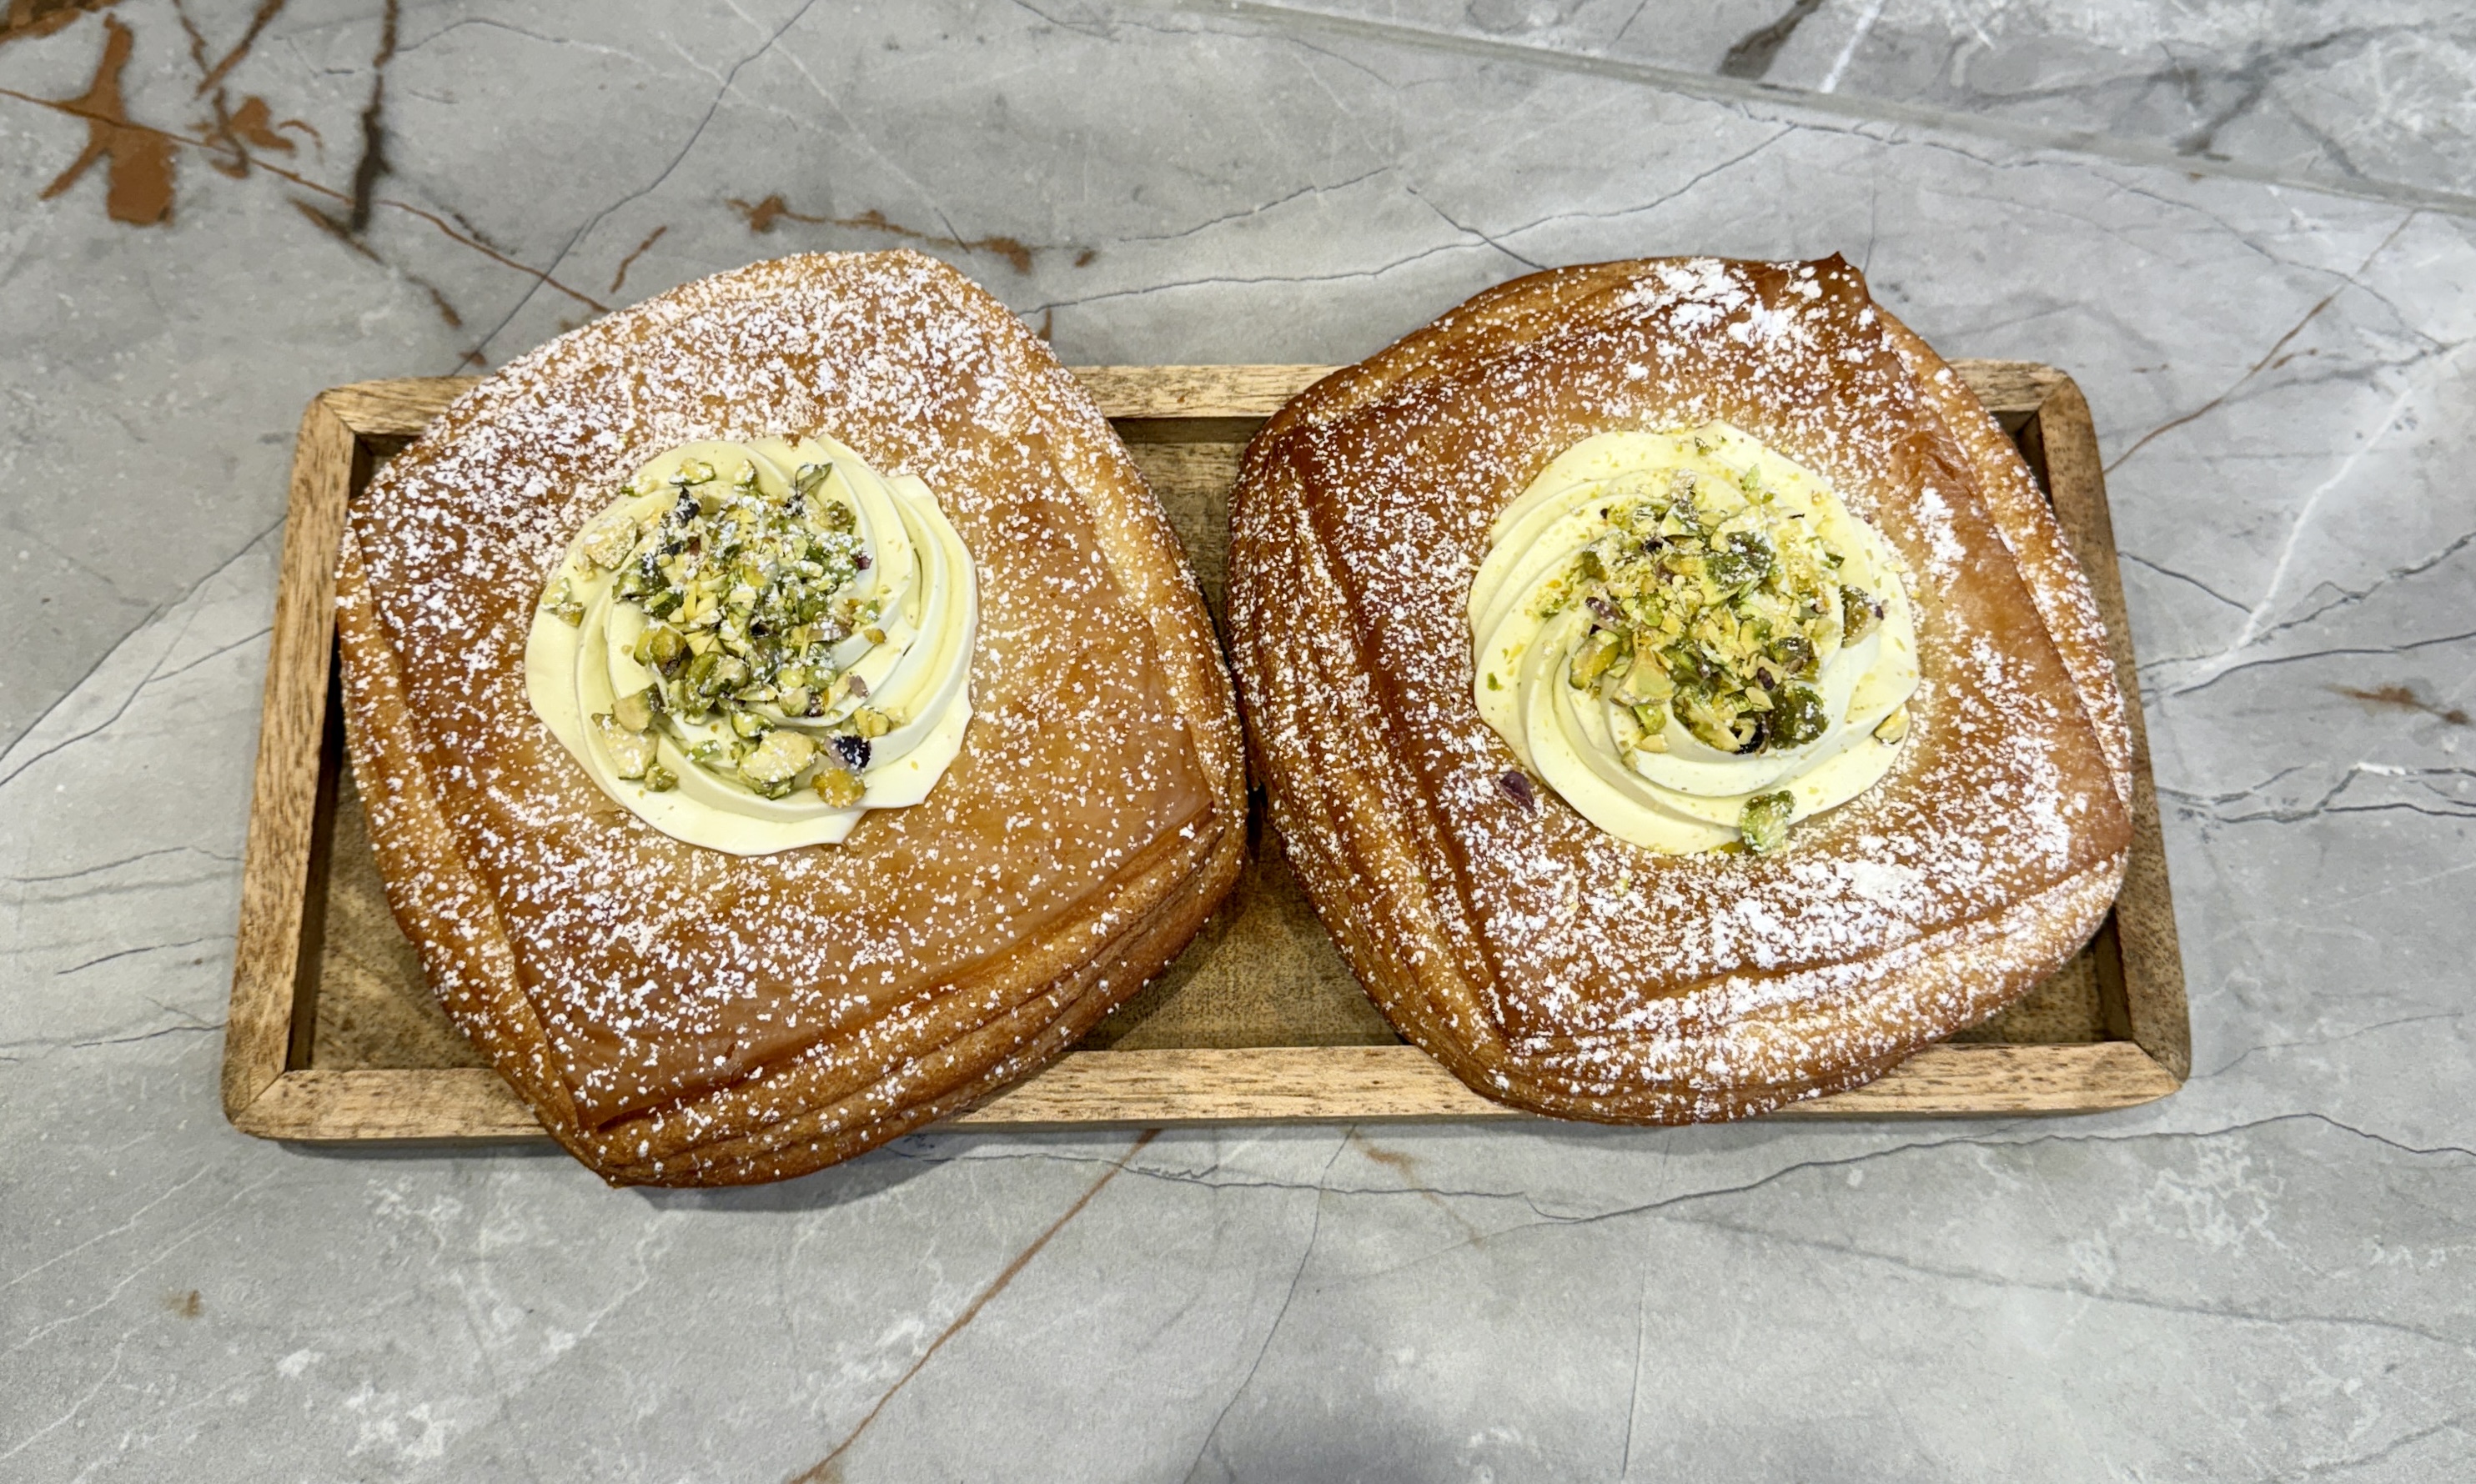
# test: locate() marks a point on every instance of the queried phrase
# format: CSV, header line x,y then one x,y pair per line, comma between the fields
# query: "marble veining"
x,y
2247,230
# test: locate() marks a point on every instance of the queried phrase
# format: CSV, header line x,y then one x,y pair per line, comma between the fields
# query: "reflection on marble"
x,y
2266,1275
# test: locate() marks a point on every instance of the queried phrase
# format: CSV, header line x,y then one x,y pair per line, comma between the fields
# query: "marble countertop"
x,y
2244,228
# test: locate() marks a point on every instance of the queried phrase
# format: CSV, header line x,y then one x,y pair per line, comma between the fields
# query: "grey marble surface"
x,y
2368,98
2246,229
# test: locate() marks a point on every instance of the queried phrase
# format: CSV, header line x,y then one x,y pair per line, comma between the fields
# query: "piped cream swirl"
x,y
1691,640
757,643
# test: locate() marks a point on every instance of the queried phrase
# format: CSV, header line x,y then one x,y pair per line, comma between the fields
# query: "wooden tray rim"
x,y
266,1093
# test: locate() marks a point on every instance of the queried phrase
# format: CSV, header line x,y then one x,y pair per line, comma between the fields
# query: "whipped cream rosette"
x,y
1691,640
757,643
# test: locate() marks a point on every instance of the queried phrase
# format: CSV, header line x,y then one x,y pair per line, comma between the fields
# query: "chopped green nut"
x,y
631,752
1652,718
1718,601
1647,679
606,544
562,601
1797,716
660,645
1591,660
754,592
775,762
1764,821
634,710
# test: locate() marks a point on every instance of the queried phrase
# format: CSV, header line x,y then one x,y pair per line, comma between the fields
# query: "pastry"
x,y
784,716
1672,691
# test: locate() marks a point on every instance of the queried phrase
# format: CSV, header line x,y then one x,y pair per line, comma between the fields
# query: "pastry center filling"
x,y
757,643
1691,640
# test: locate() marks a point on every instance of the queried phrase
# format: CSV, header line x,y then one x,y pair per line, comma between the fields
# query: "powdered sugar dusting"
x,y
658,971
1701,980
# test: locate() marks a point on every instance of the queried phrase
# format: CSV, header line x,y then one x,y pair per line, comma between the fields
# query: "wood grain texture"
x,y
2151,954
1200,1085
285,796
2011,389
460,1103
395,409
374,1007
400,407
1196,392
1284,1084
1187,1050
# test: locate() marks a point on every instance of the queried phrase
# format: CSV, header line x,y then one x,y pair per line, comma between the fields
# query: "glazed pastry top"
x,y
1399,477
658,969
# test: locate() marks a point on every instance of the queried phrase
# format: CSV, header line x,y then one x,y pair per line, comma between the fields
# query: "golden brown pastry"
x,y
746,1009
1672,691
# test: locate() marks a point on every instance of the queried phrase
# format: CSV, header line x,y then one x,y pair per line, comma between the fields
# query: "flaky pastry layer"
x,y
1546,963
678,1016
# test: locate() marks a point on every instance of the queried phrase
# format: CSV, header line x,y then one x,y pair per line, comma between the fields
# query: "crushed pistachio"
x,y
1798,715
631,752
561,601
634,710
1764,821
1892,730
1647,679
660,645
746,594
661,780
1710,603
1652,718
774,762
839,786
1593,658
607,543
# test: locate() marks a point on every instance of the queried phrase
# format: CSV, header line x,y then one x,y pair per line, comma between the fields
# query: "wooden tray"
x,y
334,1035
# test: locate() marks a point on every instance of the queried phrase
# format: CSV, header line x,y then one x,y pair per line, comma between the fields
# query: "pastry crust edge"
x,y
1366,856
1162,899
